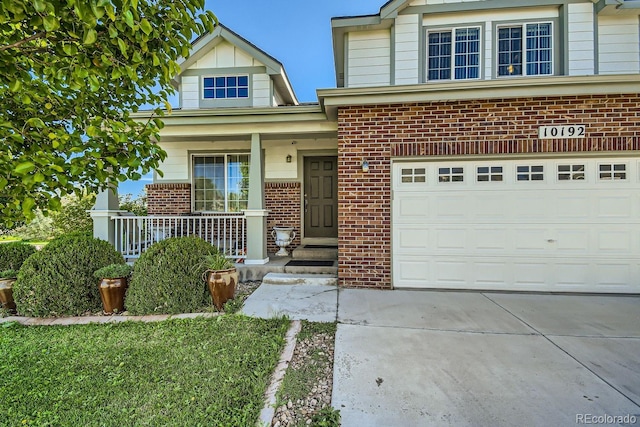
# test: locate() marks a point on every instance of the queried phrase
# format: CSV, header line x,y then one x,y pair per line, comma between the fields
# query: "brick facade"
x,y
490,127
168,199
282,200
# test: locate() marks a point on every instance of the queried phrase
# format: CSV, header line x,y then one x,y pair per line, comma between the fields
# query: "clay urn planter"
x,y
113,284
221,277
7,279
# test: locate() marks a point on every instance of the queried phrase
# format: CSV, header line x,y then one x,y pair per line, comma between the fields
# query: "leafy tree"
x,y
72,72
73,216
136,205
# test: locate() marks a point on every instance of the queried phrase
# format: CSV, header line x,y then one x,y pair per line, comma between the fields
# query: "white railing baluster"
x,y
134,234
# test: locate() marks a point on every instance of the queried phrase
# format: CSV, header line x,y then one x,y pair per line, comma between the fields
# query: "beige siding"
x,y
176,167
262,90
406,49
226,55
426,2
190,91
619,44
581,39
369,58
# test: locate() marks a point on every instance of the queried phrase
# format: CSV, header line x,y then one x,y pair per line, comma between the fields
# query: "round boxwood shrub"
x,y
167,279
58,280
14,254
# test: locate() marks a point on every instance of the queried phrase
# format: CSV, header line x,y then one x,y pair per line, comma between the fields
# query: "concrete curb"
x,y
85,320
269,410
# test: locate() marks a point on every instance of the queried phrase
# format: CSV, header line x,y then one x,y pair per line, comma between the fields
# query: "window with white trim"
x,y
530,173
570,172
220,183
225,87
613,171
410,175
453,54
451,174
489,173
525,49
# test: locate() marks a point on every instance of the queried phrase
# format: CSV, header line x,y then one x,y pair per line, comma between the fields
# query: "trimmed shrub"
x,y
167,279
14,254
58,280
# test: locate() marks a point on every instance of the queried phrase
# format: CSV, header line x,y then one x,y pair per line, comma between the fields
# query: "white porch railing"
x,y
134,234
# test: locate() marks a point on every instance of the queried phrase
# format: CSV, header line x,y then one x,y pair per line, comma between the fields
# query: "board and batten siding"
x,y
369,58
581,40
619,44
407,45
225,56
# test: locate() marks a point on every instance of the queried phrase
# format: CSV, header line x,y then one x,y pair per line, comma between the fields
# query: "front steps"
x,y
310,253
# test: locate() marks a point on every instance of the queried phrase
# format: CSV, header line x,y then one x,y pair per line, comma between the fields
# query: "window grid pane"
x,y
221,183
616,171
414,175
439,56
467,56
539,49
451,174
530,173
570,172
229,87
493,174
510,51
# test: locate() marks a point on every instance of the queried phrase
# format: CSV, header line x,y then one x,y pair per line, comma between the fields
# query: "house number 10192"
x,y
569,131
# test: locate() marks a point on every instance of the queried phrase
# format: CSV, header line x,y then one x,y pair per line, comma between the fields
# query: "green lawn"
x,y
201,372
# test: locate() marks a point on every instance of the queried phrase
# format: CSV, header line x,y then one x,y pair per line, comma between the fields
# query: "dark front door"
x,y
321,197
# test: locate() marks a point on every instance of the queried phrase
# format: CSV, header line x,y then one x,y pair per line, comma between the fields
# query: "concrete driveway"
x,y
412,358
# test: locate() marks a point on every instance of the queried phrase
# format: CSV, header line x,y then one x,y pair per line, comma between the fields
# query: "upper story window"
x,y
453,54
525,50
226,87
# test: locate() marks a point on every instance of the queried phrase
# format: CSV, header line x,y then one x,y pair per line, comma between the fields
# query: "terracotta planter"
x,y
112,292
6,294
222,286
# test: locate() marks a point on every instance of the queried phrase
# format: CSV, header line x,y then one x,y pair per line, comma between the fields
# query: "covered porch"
x,y
268,148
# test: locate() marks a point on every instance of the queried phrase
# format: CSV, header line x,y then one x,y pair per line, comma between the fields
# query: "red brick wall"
x,y
505,126
282,200
168,199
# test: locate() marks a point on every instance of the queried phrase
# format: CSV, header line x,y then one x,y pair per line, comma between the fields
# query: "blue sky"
x,y
295,32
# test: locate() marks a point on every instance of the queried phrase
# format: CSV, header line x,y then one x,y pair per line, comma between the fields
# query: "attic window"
x,y
226,87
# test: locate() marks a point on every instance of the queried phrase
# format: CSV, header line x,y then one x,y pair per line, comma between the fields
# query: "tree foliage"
x,y
72,72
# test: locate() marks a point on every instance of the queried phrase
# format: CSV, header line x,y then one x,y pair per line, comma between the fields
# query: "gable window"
x,y
525,50
453,54
221,183
225,87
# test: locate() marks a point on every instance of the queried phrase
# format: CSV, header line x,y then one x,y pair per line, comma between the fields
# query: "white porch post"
x,y
256,214
107,205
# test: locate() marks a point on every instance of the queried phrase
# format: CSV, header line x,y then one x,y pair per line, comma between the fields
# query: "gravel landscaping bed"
x,y
308,384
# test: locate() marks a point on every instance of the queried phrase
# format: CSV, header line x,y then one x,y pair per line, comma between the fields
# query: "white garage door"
x,y
558,225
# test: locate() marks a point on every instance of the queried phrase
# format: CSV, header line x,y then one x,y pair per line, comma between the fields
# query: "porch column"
x,y
107,205
255,214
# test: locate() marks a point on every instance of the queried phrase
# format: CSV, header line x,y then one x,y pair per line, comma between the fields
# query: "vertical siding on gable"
x,y
262,90
581,39
190,92
369,58
226,55
407,50
619,44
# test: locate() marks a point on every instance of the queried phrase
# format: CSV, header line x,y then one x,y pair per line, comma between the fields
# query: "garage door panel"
x,y
614,207
614,241
551,235
411,240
